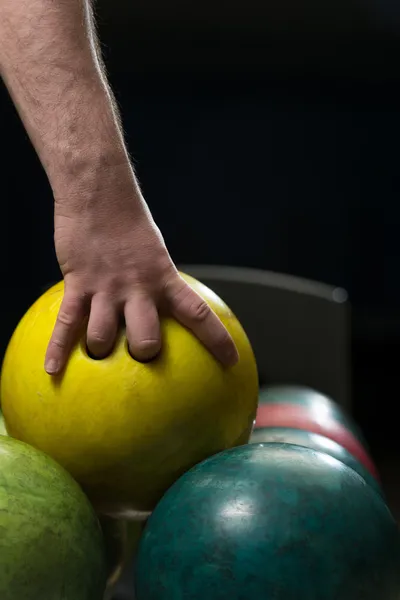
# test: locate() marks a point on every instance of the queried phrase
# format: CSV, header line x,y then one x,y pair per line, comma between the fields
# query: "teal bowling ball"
x,y
269,522
286,435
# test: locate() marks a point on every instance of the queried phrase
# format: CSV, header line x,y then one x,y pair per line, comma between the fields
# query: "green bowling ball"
x,y
270,522
51,544
314,441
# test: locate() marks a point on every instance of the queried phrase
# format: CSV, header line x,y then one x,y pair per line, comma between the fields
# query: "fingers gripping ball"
x,y
127,430
142,323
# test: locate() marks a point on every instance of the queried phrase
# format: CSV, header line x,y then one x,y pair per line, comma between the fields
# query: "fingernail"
x,y
52,366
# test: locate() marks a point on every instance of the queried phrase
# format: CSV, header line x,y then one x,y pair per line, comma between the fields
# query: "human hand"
x,y
115,263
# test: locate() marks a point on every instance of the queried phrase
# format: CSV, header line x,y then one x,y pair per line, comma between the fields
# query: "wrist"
x,y
100,181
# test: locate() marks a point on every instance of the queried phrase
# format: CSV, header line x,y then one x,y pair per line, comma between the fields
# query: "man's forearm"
x,y
50,63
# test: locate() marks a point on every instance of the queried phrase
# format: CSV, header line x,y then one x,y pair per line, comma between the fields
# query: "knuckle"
x,y
75,302
58,343
66,318
181,294
194,306
199,310
70,310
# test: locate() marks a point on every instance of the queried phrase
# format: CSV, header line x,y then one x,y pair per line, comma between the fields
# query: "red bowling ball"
x,y
304,408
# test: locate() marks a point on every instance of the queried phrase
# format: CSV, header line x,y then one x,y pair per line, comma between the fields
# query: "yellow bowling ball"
x,y
127,430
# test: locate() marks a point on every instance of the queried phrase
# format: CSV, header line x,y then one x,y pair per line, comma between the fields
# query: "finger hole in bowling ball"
x,y
143,360
86,351
92,356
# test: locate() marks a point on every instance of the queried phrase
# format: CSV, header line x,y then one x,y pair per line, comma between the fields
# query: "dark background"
x,y
263,135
